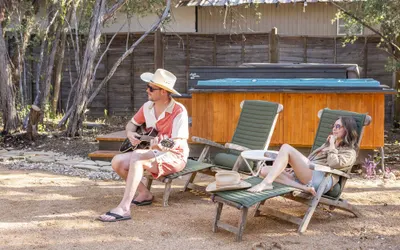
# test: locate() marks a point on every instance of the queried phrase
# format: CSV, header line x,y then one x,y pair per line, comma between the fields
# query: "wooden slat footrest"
x,y
281,215
228,227
196,187
247,199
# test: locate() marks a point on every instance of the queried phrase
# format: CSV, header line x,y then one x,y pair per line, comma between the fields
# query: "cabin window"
x,y
343,29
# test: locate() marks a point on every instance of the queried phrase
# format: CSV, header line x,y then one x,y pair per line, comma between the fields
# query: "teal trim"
x,y
312,82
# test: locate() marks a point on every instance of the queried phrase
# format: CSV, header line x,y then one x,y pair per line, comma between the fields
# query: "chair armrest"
x,y
207,142
327,169
235,147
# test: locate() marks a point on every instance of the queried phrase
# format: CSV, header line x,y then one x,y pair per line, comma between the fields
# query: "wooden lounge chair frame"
x,y
333,201
193,167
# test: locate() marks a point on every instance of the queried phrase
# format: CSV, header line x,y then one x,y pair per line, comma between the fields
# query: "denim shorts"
x,y
317,177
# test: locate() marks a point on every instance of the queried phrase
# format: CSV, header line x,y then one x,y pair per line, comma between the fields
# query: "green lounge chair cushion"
x,y
191,166
252,131
226,161
334,193
247,199
255,124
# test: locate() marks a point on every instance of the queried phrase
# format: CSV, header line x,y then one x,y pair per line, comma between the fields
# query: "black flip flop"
x,y
117,217
142,203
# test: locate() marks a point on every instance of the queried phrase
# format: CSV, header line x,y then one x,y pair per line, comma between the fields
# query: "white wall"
x,y
290,19
182,20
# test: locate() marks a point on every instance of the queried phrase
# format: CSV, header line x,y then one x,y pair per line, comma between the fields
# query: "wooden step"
x,y
112,141
115,136
105,155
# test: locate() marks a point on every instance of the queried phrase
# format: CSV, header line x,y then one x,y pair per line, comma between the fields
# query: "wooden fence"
x,y
125,92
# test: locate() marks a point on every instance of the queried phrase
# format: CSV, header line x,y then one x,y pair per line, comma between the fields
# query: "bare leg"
x,y
284,179
288,179
142,192
134,177
120,163
287,155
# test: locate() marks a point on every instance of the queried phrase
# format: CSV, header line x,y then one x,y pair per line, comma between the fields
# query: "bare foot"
x,y
143,197
260,187
311,190
117,211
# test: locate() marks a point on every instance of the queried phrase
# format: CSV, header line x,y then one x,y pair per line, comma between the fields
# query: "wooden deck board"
x,y
115,136
103,154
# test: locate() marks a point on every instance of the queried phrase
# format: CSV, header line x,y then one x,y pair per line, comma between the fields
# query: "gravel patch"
x,y
61,169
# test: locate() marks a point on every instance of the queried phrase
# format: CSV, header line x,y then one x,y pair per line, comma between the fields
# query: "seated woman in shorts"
x,y
337,152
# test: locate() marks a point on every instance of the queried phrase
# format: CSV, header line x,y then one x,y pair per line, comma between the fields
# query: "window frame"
x,y
343,26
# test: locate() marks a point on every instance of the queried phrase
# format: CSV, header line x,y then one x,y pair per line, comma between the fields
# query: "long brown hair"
x,y
350,138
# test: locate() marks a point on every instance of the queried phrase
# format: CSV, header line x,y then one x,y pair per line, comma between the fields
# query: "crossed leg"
x,y
138,161
299,163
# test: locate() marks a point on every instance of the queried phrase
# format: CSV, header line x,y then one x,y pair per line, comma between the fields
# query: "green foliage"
x,y
23,111
383,16
84,10
143,8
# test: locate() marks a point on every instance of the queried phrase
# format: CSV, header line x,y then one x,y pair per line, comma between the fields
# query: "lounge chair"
x,y
243,200
254,131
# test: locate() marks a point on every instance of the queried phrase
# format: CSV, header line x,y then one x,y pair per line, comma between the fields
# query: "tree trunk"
x,y
396,99
49,71
85,79
7,89
42,60
34,118
58,73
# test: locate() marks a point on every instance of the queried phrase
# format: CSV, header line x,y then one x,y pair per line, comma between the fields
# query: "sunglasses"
x,y
151,89
336,126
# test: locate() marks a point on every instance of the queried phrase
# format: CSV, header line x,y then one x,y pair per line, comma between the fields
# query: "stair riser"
x,y
101,158
109,145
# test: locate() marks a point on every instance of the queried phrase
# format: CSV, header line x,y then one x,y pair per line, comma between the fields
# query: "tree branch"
x,y
154,27
107,48
109,13
365,24
39,66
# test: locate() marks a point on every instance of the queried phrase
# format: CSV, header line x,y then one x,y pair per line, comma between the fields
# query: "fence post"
x,y
396,97
132,81
107,84
365,58
242,49
335,50
215,51
273,46
158,50
305,49
187,68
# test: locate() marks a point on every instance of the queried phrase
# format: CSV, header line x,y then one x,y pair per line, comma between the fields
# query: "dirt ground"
x,y
46,211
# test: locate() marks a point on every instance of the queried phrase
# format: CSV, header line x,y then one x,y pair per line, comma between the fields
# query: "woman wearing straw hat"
x,y
170,119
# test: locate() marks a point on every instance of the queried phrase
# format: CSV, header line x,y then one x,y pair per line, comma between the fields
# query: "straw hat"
x,y
161,78
227,180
